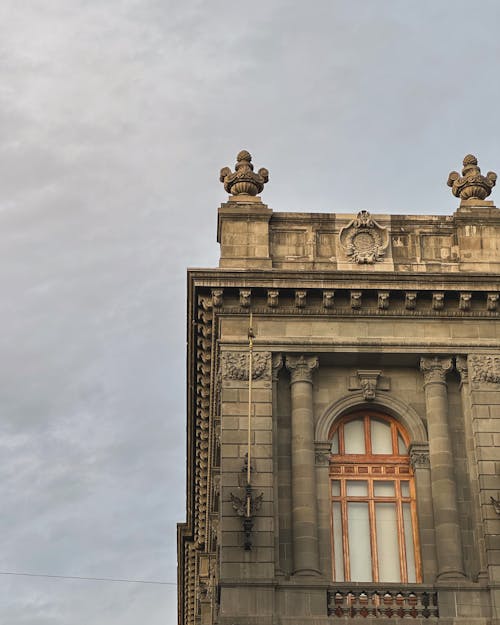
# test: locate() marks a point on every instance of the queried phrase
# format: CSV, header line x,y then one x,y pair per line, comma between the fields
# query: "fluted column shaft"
x,y
304,505
444,491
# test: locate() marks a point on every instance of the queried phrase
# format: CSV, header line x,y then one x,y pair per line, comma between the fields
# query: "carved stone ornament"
x,y
411,300
437,301
471,184
364,240
328,299
301,367
217,297
465,301
435,369
322,458
356,299
235,365
420,459
383,300
245,298
277,365
300,298
485,368
492,302
244,180
368,383
462,368
273,298
322,453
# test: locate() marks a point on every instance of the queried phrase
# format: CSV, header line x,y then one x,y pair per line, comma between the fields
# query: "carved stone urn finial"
x,y
471,184
244,180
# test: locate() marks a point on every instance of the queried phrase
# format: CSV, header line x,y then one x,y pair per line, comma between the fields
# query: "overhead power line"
x,y
90,579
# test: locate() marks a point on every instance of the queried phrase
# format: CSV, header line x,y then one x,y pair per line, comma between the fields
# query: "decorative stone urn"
x,y
244,181
471,184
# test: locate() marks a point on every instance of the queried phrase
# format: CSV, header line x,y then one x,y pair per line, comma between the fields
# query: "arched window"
x,y
374,523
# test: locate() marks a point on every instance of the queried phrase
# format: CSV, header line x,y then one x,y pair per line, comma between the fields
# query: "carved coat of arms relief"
x,y
364,240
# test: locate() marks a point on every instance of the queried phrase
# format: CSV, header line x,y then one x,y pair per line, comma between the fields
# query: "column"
x,y
444,497
304,506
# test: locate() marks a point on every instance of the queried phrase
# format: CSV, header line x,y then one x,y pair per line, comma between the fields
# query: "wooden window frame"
x,y
372,468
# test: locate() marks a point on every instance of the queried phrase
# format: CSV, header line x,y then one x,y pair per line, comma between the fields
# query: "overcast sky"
x,y
116,117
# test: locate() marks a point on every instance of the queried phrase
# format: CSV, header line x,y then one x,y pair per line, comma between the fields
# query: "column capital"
x,y
419,456
435,369
301,367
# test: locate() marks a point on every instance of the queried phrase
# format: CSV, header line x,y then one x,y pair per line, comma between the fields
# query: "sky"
x,y
115,119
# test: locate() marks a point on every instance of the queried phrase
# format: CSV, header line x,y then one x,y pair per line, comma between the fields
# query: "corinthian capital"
x,y
301,367
435,369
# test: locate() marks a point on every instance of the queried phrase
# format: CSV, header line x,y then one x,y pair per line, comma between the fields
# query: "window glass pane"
x,y
402,449
335,488
338,550
335,443
381,437
387,542
410,549
354,437
383,489
405,489
359,542
357,488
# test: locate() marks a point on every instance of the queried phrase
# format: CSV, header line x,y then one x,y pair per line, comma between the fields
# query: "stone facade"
x,y
390,313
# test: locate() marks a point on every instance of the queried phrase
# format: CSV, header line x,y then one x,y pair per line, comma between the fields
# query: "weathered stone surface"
x,y
392,315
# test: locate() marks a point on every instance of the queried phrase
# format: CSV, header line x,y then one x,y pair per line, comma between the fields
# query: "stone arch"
x,y
393,406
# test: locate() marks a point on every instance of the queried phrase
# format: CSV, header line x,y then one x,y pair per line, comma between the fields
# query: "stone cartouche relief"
x,y
485,368
364,240
234,365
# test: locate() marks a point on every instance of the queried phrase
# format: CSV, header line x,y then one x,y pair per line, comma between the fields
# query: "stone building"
x,y
354,475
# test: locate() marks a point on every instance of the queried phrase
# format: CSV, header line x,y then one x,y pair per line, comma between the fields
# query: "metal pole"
x,y
250,368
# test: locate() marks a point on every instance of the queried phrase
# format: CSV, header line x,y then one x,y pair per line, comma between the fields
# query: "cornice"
x,y
347,296
285,278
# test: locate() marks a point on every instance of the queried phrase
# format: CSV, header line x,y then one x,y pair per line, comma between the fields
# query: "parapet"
x,y
253,236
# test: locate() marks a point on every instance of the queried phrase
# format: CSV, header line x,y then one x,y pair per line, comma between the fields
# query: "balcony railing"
x,y
417,602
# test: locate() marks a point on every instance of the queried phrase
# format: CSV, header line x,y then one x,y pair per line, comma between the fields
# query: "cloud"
x,y
115,120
